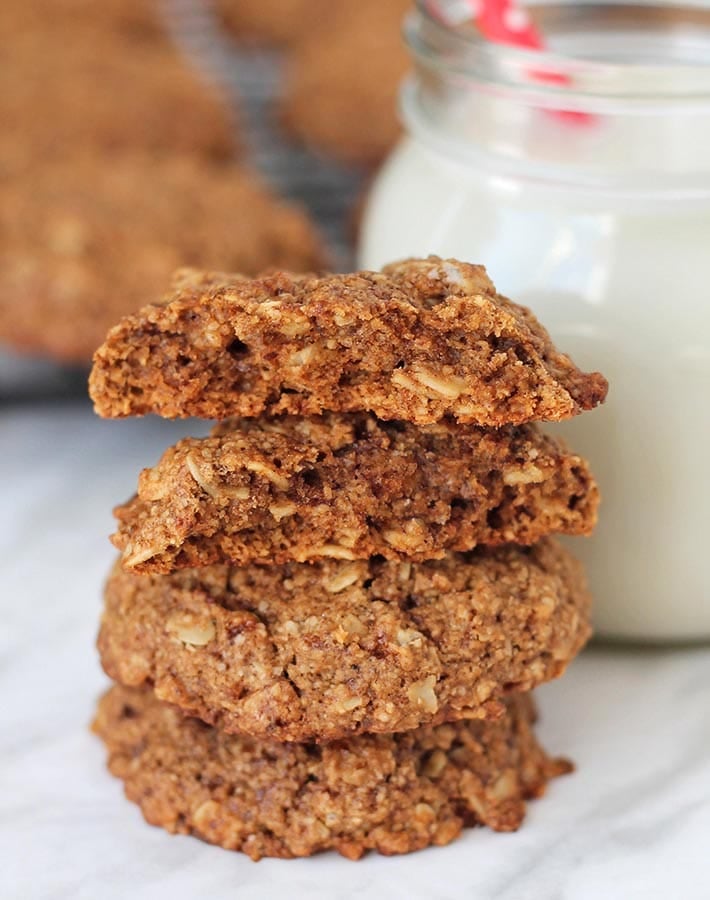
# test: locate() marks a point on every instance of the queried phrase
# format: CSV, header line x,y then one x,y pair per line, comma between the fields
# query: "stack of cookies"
x,y
327,614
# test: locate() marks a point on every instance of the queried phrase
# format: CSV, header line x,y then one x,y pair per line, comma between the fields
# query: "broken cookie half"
x,y
420,341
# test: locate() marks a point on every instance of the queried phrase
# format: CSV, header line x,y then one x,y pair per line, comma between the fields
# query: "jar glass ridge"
x,y
501,105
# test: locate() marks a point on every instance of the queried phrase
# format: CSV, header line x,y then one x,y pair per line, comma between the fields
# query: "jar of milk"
x,y
581,178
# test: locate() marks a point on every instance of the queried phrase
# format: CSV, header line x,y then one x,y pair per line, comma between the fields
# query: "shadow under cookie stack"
x,y
328,614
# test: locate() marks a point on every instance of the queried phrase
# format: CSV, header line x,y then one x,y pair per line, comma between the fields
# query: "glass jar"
x,y
581,178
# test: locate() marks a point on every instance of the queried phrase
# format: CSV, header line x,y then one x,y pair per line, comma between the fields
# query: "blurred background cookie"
x,y
342,80
284,22
76,83
83,242
91,95
133,19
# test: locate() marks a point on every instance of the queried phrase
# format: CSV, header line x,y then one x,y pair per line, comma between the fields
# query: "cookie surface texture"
x,y
349,486
419,341
390,793
326,650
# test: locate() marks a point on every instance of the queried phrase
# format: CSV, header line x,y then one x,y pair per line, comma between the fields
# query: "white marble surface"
x,y
632,823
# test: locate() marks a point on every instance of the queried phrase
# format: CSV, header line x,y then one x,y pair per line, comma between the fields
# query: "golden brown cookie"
x,y
102,93
421,340
135,20
349,486
342,80
323,651
283,22
390,793
84,242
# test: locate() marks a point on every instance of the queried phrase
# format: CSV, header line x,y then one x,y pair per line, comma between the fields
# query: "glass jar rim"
x,y
583,82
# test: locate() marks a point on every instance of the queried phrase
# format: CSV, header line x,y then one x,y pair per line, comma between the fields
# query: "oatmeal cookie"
x,y
84,242
282,22
136,20
391,793
104,93
350,486
342,80
319,652
418,341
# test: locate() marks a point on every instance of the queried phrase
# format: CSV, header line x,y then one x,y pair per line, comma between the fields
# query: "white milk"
x,y
617,266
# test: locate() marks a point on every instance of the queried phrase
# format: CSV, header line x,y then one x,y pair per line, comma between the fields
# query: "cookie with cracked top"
x,y
390,793
323,651
421,340
350,486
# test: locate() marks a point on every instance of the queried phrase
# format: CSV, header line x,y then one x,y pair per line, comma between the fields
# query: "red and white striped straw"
x,y
504,22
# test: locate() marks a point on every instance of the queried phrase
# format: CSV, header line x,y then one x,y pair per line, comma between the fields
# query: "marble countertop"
x,y
632,822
